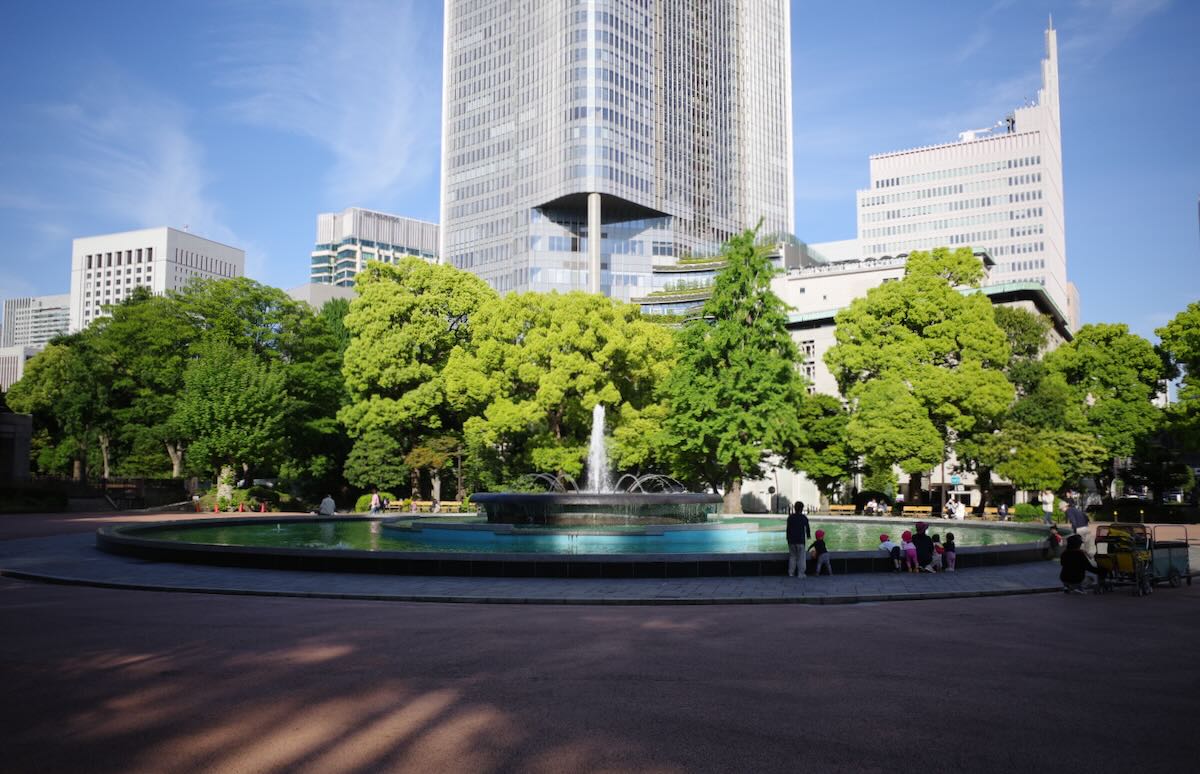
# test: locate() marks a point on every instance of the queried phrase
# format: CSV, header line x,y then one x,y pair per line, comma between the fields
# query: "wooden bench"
x,y
424,506
991,513
842,509
918,510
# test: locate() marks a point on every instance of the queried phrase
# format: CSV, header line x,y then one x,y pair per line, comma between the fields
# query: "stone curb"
x,y
839,599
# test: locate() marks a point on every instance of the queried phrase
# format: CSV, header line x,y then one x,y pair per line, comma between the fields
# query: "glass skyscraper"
x,y
664,125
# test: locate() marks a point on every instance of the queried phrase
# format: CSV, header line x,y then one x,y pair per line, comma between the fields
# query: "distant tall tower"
x,y
663,126
998,189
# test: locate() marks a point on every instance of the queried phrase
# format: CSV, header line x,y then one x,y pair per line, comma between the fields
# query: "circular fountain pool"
x,y
743,546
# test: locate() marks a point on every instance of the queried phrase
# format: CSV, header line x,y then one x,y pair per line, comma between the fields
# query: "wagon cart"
x,y
1141,555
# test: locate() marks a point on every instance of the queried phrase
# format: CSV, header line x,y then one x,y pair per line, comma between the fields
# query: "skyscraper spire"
x,y
1051,22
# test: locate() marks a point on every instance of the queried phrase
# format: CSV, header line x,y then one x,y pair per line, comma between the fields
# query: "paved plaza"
x,y
104,679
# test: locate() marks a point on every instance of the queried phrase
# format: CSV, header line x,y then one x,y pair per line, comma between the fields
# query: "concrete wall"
x,y
16,433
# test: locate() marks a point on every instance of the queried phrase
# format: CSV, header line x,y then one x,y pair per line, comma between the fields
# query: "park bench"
x,y
991,513
844,510
918,510
424,506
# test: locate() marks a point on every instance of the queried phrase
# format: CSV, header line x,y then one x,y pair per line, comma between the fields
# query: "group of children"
x,y
920,552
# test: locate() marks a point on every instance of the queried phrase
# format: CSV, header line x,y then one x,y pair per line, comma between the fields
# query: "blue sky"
x,y
243,120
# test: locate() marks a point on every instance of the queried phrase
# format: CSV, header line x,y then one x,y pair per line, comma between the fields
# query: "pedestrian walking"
x,y
1047,498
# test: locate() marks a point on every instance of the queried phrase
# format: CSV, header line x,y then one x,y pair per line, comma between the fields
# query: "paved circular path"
x,y
73,558
105,680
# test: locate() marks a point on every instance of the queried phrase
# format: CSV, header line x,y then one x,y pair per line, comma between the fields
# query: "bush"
x,y
1026,512
363,504
251,499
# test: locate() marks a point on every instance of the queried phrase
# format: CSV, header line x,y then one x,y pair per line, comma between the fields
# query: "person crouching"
x,y
1075,568
892,550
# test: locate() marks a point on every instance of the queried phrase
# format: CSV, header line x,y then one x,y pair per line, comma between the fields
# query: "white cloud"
x,y
353,79
1098,26
126,155
979,39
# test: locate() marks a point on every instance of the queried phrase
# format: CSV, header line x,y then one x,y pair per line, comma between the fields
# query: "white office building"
x,y
347,240
105,269
584,142
998,189
34,320
12,363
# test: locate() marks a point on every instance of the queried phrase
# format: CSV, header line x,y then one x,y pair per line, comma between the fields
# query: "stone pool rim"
x,y
131,540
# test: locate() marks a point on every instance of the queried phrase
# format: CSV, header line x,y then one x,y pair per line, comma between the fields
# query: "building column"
x,y
594,242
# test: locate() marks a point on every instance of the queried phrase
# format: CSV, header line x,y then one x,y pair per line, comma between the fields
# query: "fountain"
x,y
601,504
642,527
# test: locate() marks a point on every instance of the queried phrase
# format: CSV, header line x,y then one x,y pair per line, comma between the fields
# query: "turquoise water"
x,y
369,536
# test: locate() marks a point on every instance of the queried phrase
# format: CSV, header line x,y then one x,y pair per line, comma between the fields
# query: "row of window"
x,y
1015,266
973,169
118,258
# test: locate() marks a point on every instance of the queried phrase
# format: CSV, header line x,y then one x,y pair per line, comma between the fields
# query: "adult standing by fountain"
x,y
798,533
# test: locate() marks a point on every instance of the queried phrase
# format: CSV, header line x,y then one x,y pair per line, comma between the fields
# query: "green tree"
x,y
1181,344
920,363
1025,331
243,313
1111,378
825,456
535,367
145,343
66,387
734,396
232,409
314,455
377,458
404,325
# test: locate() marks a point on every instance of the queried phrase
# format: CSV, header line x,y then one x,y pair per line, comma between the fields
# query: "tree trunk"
x,y
733,496
414,482
914,488
225,482
984,479
81,466
78,471
175,452
103,439
458,477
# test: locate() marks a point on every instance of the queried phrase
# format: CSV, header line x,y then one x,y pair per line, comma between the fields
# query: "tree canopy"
x,y
920,361
534,368
735,394
402,328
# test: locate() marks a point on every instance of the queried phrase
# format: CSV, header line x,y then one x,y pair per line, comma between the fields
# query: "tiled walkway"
x,y
73,558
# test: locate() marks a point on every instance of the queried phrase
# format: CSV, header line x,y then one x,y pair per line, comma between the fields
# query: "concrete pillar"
x,y
594,242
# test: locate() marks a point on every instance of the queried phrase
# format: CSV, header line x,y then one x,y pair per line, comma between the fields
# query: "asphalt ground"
x,y
104,680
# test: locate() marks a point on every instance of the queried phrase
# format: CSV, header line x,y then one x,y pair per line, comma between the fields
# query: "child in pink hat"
x,y
910,551
892,550
820,553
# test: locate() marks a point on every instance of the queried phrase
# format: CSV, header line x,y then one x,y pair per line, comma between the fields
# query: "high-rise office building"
x,y
998,189
105,269
663,127
347,240
34,320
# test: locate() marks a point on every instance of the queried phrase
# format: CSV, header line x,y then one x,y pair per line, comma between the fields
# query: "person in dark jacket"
x,y
1075,568
924,545
798,533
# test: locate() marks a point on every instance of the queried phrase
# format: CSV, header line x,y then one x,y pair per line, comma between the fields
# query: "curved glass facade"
x,y
676,113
